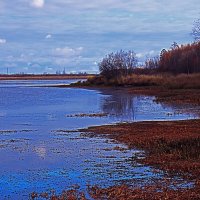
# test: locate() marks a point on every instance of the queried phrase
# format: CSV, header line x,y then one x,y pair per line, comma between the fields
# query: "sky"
x,y
45,36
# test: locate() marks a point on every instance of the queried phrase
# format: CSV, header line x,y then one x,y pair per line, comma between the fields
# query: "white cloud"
x,y
100,26
66,55
67,52
142,56
49,36
2,41
38,3
152,52
139,55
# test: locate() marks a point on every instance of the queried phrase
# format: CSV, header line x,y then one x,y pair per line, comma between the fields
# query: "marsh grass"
x,y
170,146
181,81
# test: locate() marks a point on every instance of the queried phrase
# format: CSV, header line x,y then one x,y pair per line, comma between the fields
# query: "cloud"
x,y
2,41
152,52
67,55
67,52
139,55
49,36
52,34
142,56
38,3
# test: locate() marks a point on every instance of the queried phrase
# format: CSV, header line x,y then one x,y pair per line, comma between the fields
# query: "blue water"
x,y
38,154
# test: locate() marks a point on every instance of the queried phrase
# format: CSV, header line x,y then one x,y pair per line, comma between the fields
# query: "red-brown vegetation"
x,y
171,146
162,81
180,59
156,191
72,194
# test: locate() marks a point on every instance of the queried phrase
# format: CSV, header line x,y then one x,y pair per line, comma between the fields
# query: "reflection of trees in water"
x,y
130,107
119,105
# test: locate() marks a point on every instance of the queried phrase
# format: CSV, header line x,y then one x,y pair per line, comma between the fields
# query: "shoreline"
x,y
151,135
171,146
166,146
162,95
44,77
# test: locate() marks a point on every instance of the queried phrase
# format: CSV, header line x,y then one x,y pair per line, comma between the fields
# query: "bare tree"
x,y
152,63
118,64
196,30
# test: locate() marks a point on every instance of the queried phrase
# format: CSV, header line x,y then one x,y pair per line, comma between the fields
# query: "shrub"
x,y
118,64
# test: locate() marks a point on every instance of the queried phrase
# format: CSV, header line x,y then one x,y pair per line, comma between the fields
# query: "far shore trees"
x,y
116,65
181,59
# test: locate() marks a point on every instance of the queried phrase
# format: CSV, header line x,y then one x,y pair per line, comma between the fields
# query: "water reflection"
x,y
119,105
129,107
41,152
30,157
189,109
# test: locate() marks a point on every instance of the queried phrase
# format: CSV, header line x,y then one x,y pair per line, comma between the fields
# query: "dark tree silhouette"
x,y
118,64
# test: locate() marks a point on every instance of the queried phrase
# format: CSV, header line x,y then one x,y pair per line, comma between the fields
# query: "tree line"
x,y
178,59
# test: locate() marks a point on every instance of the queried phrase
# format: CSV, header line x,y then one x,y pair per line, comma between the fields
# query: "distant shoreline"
x,y
44,77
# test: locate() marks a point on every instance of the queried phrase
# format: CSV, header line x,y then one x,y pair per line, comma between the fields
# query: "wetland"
x,y
45,144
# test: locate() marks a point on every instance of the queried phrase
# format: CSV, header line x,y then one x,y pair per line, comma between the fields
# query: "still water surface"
x,y
39,150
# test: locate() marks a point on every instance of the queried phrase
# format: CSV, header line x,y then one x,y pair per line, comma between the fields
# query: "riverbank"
x,y
163,81
158,145
44,77
170,146
162,95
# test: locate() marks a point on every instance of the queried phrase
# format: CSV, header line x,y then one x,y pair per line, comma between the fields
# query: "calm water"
x,y
38,154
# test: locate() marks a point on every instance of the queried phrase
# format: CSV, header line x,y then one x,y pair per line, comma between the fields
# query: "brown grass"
x,y
171,146
72,194
157,191
181,81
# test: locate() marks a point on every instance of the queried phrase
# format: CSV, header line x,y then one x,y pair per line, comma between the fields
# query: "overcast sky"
x,y
39,36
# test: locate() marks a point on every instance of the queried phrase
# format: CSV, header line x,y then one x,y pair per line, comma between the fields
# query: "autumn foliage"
x,y
180,59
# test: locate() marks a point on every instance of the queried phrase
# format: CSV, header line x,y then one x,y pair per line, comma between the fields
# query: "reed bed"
x,y
181,81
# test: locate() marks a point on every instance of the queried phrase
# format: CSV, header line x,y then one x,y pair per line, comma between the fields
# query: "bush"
x,y
118,64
